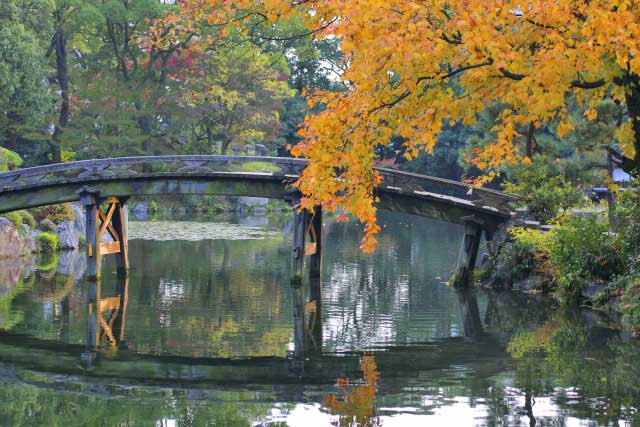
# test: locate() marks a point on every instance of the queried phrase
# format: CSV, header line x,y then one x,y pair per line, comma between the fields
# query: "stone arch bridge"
x,y
110,182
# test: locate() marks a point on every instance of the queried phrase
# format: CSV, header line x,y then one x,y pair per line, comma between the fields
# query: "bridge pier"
x,y
306,225
315,259
469,251
307,315
114,221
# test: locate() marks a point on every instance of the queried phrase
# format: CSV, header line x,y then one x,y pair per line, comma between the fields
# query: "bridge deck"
x,y
236,175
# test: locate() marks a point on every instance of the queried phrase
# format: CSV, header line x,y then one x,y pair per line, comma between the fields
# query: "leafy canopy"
x,y
411,66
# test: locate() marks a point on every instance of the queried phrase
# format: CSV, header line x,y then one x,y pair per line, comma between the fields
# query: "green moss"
x,y
21,217
153,207
27,218
9,160
15,218
82,241
256,167
48,242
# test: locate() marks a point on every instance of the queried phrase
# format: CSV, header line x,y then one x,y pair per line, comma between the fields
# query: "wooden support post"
x,y
88,198
469,251
301,221
114,221
120,220
314,306
315,260
300,226
488,235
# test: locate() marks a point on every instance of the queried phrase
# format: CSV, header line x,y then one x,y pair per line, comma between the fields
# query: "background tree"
x,y
25,99
232,95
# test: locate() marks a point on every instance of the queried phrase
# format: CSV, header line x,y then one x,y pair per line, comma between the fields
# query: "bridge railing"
x,y
144,166
420,184
188,166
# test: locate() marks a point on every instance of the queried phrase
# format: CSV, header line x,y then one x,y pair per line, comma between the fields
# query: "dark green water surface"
x,y
202,333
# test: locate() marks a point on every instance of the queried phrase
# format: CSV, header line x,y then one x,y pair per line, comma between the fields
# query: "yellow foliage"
x,y
400,59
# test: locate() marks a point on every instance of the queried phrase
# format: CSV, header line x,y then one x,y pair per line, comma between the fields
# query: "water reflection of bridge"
x,y
106,353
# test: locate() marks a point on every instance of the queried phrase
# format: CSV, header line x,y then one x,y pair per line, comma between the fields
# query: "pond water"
x,y
202,333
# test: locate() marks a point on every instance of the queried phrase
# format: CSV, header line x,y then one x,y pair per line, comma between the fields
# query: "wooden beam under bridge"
x,y
112,220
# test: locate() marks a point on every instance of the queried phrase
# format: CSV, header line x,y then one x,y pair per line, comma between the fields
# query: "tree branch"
x,y
588,85
392,103
456,71
508,74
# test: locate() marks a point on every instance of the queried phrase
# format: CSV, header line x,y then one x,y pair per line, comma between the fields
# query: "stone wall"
x,y
16,243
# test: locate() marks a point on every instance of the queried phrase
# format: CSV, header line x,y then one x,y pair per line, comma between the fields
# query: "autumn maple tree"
x,y
411,66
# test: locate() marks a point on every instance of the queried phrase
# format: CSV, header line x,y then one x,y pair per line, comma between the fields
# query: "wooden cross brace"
x,y
110,220
105,224
310,248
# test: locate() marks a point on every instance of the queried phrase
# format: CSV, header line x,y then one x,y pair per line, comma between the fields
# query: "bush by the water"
x,y
55,213
15,218
582,250
47,242
579,251
28,219
509,262
543,188
20,217
206,203
47,225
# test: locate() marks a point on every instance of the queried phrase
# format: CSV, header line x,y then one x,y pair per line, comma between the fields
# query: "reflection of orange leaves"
x,y
356,407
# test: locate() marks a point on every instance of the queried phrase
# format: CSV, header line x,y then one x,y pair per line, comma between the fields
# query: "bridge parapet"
x,y
113,181
124,168
439,187
143,166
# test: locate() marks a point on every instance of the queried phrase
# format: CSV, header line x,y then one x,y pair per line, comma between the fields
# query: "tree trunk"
x,y
62,71
210,142
633,108
224,146
11,132
531,141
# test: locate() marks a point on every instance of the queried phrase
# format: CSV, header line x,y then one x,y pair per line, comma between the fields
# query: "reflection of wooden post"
x,y
97,327
469,252
472,323
113,221
315,260
122,289
314,310
297,301
301,221
93,317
